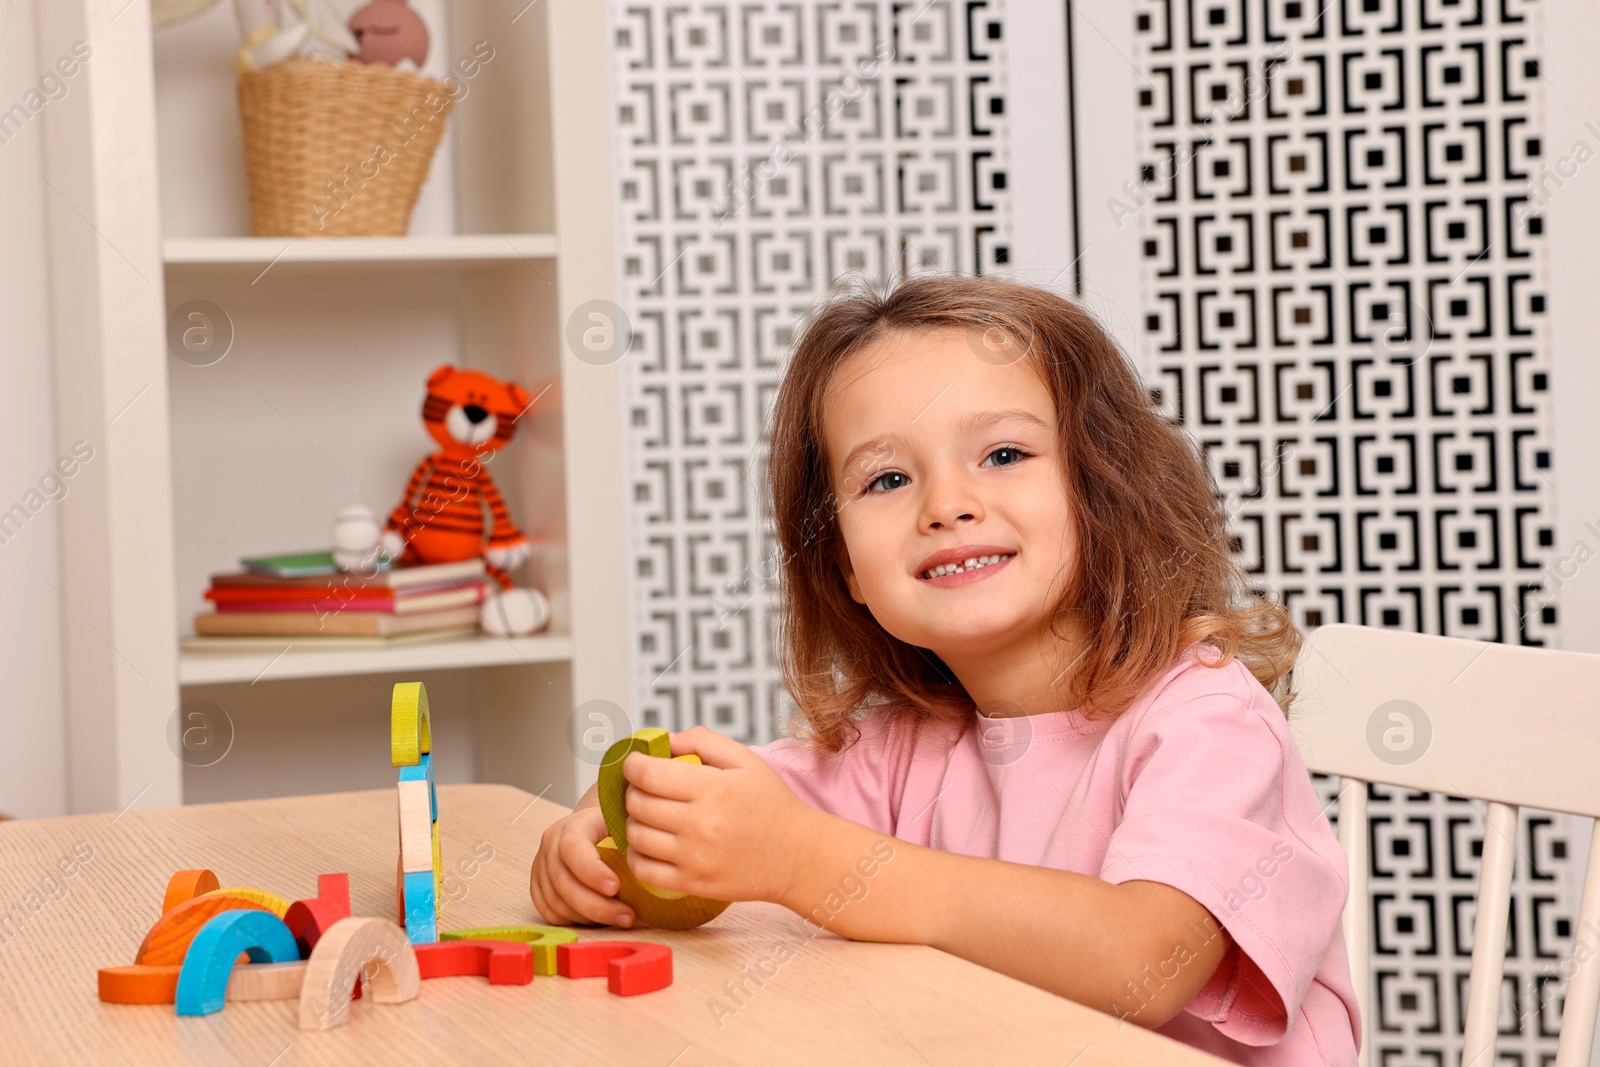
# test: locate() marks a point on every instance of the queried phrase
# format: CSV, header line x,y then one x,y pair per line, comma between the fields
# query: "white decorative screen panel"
x,y
1343,286
767,149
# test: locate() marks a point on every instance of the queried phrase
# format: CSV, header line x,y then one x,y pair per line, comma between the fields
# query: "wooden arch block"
x,y
661,908
421,907
629,966
410,732
203,981
140,984
542,939
308,920
502,962
335,888
613,787
270,901
186,885
343,955
168,940
422,771
267,981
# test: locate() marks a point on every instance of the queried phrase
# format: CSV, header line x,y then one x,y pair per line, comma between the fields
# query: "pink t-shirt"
x,y
1198,785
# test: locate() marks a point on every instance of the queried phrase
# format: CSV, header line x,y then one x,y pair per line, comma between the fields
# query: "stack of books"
x,y
307,599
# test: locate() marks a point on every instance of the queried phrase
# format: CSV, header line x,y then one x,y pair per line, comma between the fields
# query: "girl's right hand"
x,y
570,884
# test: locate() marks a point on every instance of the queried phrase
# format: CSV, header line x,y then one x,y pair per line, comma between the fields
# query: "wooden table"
x,y
830,1001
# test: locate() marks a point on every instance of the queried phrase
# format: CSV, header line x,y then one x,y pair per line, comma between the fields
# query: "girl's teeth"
x,y
966,565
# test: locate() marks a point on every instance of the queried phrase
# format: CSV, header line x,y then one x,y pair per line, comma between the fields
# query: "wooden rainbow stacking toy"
x,y
314,950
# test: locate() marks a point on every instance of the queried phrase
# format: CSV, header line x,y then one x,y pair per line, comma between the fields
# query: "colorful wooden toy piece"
x,y
542,939
416,828
422,917
662,908
612,788
267,981
342,956
502,962
203,981
308,920
422,771
334,888
270,901
629,967
419,814
410,733
140,984
168,940
186,885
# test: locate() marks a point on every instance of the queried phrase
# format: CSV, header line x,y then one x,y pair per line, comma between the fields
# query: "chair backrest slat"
x,y
1489,930
1583,979
1357,918
1511,725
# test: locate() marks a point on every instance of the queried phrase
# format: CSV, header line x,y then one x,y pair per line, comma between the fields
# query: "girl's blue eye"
x,y
871,486
1016,455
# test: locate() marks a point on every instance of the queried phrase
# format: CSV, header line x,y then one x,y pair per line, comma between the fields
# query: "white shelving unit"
x,y
317,404
464,250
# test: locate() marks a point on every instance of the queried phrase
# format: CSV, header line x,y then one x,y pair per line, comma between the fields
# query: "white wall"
x,y
33,749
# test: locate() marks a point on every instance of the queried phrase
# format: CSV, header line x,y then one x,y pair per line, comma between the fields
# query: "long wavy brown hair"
x,y
1153,570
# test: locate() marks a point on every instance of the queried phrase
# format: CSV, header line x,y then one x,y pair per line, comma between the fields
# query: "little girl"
x,y
1041,716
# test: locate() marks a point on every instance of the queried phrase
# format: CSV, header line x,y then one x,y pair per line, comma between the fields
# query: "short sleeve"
x,y
1218,804
862,782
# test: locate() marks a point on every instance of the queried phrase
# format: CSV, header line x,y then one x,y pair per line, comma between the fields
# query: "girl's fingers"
x,y
673,779
653,872
545,900
590,905
714,749
581,879
577,854
651,810
653,843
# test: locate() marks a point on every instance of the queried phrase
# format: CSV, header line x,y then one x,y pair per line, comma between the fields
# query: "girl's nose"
x,y
949,504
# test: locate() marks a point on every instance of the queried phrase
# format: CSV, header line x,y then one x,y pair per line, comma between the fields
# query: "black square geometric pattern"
x,y
765,149
1343,270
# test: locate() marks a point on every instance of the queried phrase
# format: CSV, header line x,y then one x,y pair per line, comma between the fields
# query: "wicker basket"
x,y
337,149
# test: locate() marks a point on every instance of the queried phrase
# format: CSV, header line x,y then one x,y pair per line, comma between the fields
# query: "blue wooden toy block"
x,y
203,980
422,916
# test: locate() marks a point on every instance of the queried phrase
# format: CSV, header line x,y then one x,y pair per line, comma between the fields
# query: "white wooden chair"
x,y
1508,725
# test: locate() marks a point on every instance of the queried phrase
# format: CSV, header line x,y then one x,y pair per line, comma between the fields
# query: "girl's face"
x,y
943,449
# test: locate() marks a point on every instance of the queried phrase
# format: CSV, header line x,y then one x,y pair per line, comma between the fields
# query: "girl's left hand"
x,y
729,829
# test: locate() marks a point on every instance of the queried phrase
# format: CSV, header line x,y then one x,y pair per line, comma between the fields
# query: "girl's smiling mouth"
x,y
963,566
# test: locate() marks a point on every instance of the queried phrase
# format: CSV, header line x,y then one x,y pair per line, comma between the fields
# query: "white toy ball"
x,y
515,613
357,538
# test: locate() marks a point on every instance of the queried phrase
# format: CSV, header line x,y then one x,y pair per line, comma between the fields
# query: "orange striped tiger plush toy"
x,y
452,510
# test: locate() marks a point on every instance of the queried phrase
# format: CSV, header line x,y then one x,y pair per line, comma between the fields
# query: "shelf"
x,y
464,250
221,668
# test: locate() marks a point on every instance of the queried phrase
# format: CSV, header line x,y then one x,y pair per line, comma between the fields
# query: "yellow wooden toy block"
x,y
270,901
660,908
410,733
544,940
613,787
438,873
